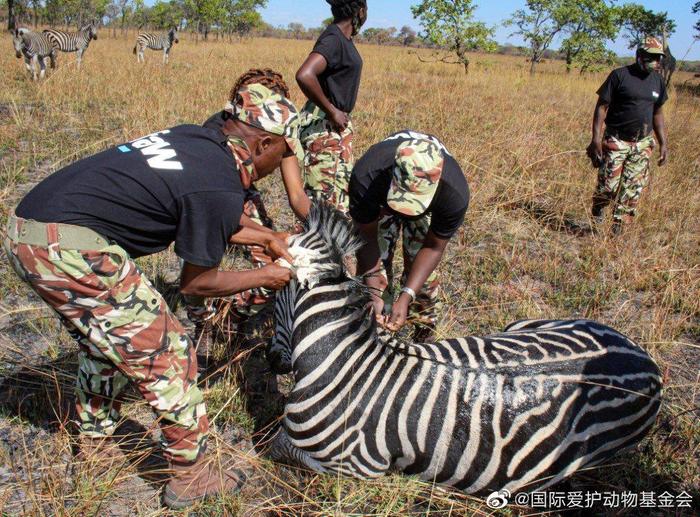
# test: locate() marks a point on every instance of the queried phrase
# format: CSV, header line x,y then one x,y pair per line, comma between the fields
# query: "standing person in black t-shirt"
x,y
407,184
630,102
330,78
73,240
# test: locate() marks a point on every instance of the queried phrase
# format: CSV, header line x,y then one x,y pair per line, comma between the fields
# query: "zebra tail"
x,y
134,50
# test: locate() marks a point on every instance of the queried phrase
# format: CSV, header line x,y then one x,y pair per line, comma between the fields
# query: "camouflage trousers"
x,y
125,333
623,175
247,303
424,310
328,160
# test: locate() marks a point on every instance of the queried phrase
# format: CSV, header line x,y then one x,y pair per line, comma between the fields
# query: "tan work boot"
x,y
209,476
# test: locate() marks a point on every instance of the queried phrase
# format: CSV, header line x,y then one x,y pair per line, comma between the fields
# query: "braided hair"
x,y
265,76
344,9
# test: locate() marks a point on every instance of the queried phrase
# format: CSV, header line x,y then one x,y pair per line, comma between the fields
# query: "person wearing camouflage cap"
x,y
407,184
203,312
74,238
630,103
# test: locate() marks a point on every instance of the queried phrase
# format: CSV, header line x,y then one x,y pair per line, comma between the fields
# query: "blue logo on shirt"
x,y
124,148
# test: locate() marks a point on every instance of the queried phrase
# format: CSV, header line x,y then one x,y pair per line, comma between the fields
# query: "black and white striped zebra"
x,y
73,41
35,48
162,42
518,410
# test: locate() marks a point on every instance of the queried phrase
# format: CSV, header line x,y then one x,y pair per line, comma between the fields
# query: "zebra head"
x,y
319,255
172,36
18,41
90,31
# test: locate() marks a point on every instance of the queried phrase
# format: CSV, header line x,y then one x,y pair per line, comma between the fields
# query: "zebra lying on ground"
x,y
162,42
35,48
518,410
72,41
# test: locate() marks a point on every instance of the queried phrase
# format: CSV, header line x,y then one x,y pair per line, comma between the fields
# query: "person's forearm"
x,y
311,87
252,236
425,263
660,128
368,257
247,222
216,284
599,114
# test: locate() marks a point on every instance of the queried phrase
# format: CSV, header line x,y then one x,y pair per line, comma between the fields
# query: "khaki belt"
x,y
70,237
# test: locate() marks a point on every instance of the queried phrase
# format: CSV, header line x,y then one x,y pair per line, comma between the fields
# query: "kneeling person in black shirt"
x,y
73,240
407,183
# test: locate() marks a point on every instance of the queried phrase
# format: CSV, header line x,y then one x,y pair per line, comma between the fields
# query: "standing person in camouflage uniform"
x,y
407,183
247,303
330,78
73,239
630,103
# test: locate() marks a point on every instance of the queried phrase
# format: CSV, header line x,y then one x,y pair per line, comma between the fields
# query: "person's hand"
x,y
378,304
278,247
663,155
339,120
275,276
399,313
595,153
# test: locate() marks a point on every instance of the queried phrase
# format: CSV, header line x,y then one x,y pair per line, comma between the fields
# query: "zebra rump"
x,y
518,410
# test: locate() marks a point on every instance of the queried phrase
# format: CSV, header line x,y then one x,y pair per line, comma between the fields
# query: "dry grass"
x,y
521,254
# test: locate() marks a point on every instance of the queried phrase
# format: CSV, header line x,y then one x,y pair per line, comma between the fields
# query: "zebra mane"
x,y
336,230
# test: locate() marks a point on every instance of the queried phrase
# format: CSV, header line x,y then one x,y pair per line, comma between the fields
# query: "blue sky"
x,y
387,13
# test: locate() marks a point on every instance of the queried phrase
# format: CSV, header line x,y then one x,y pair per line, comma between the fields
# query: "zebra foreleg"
x,y
52,59
29,65
282,450
80,57
42,67
166,56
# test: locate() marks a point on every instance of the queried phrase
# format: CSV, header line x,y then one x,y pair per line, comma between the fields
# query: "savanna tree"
x,y
449,25
591,25
639,23
539,24
696,10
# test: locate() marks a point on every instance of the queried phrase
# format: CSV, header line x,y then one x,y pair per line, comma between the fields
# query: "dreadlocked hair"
x,y
265,76
344,9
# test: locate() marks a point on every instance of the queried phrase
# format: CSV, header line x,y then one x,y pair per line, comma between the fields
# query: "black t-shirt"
x,y
371,178
632,96
340,80
179,185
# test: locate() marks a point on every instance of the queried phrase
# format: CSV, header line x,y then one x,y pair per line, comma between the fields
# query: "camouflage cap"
x,y
260,107
652,46
416,176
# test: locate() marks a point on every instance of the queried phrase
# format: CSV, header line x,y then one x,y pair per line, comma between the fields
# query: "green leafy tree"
x,y
639,23
696,10
592,24
165,15
539,24
449,25
327,21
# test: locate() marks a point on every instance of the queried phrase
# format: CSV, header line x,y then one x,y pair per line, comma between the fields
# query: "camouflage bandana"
x,y
244,160
416,176
652,46
258,106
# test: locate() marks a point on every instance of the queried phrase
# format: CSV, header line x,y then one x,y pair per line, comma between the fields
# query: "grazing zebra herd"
x,y
36,47
519,410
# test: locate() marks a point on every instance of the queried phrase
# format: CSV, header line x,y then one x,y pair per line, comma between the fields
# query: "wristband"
x,y
410,292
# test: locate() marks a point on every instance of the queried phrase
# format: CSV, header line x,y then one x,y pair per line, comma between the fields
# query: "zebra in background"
x,y
519,410
162,42
35,47
73,41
